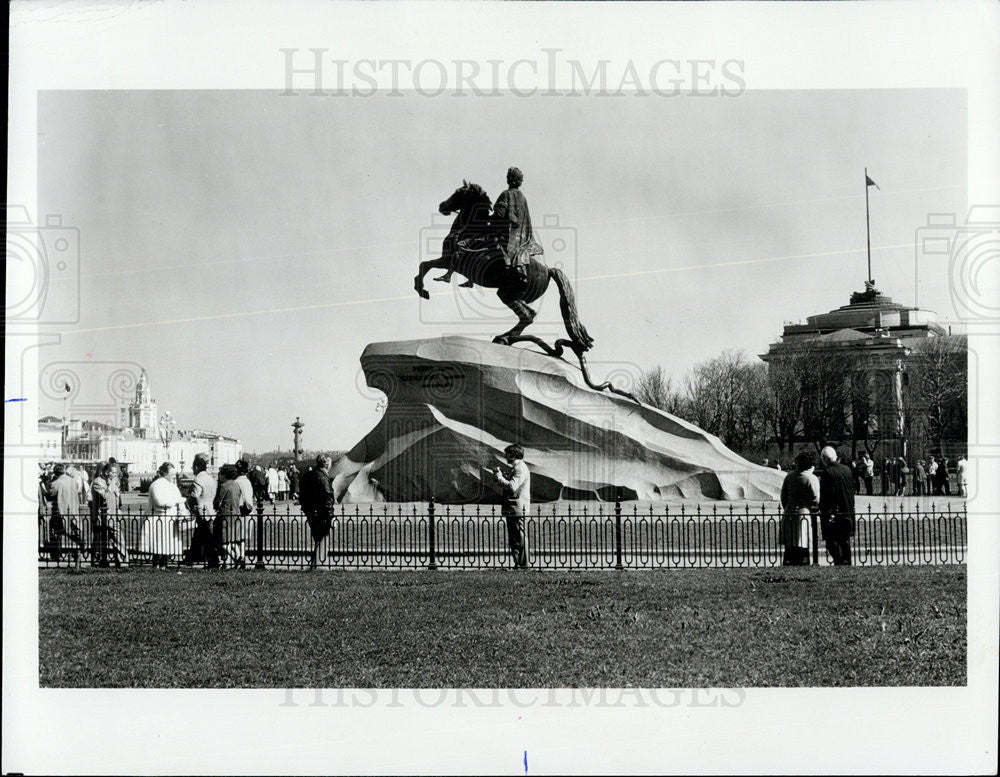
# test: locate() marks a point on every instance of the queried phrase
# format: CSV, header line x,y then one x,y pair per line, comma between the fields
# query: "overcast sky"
x,y
244,247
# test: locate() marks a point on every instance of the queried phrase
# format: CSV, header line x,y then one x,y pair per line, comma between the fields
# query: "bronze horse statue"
x,y
472,249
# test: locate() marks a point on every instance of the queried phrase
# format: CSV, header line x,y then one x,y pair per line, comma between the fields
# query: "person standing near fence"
x,y
293,482
516,502
44,478
81,493
244,482
799,498
836,507
202,506
230,506
83,477
258,480
64,531
105,503
162,536
318,504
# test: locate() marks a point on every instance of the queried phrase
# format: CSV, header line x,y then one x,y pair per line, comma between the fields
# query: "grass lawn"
x,y
680,628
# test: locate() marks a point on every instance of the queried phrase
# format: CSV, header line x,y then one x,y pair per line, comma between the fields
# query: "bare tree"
x,y
823,376
784,402
656,388
724,398
937,394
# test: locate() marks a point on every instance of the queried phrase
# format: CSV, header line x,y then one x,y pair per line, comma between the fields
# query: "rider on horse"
x,y
513,224
510,226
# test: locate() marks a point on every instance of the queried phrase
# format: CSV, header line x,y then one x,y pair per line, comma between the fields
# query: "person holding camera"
x,y
516,502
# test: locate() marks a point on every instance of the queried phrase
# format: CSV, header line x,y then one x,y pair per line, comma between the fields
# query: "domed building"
x,y
860,375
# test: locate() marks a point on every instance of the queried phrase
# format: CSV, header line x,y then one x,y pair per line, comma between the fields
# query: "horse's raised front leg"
x,y
525,316
430,264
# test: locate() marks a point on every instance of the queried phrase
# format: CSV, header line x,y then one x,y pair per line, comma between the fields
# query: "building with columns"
x,y
872,346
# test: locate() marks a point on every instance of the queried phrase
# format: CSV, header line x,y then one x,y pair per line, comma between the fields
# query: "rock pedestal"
x,y
455,403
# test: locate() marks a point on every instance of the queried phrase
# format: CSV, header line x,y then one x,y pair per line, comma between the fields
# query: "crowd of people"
x,y
274,483
897,477
832,490
70,491
206,524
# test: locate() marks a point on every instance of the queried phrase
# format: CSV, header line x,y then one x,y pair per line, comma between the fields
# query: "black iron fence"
x,y
431,536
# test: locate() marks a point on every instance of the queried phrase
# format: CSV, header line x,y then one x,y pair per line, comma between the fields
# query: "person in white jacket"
x,y
516,502
162,531
272,482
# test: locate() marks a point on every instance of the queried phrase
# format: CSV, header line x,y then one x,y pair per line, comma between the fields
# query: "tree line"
x,y
820,395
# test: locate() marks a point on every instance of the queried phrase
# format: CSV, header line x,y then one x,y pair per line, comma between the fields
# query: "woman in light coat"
x,y
282,484
163,532
799,497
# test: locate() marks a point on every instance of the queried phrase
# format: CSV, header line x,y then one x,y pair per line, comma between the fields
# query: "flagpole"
x,y
868,228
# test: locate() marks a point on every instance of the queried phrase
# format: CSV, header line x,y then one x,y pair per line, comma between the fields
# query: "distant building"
x,y
50,438
137,441
875,338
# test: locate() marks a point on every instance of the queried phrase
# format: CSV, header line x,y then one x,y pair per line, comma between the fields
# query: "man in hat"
x,y
513,225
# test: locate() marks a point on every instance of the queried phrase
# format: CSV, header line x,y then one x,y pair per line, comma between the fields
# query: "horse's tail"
x,y
567,304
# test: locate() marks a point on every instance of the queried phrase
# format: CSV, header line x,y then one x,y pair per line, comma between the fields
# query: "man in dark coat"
x,y
318,503
944,486
836,507
259,482
231,506
512,222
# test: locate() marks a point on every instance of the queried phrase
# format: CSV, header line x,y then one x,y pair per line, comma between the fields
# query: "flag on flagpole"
x,y
870,182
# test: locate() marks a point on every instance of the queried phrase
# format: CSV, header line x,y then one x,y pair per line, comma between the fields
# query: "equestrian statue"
x,y
498,251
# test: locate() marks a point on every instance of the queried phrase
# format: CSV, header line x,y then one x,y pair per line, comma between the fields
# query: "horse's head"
x,y
467,195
